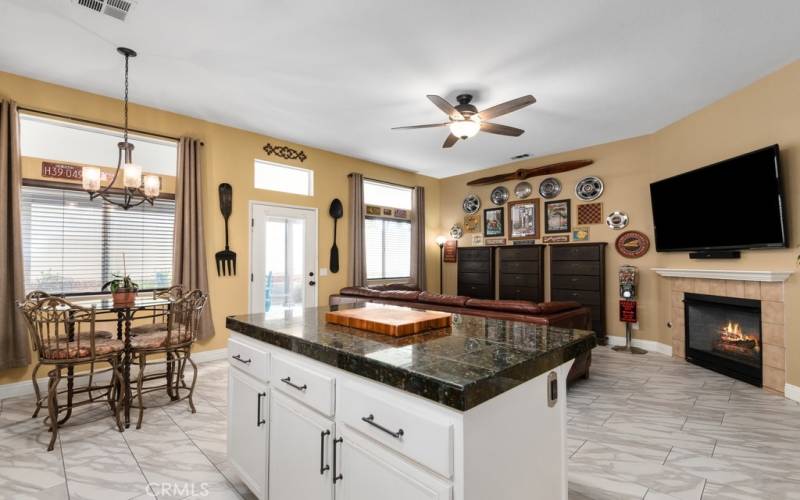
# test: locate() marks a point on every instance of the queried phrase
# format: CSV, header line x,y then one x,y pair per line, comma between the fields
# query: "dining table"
x,y
123,315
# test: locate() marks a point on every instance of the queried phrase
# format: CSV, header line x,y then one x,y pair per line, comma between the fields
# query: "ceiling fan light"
x,y
464,129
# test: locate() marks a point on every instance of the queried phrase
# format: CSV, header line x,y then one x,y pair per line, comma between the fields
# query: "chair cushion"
x,y
154,340
98,334
445,300
405,295
72,350
512,306
359,291
148,328
554,307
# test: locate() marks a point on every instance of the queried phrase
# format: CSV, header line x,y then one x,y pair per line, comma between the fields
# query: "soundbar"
x,y
716,254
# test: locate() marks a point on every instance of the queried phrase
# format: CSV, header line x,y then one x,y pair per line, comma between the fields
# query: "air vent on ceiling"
x,y
519,157
118,9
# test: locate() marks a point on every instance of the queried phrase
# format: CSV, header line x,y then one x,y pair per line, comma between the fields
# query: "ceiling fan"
x,y
466,120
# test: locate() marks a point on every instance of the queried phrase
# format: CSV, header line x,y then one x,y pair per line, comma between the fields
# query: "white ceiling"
x,y
338,74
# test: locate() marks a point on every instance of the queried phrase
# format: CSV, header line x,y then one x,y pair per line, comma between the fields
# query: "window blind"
x,y
388,248
72,245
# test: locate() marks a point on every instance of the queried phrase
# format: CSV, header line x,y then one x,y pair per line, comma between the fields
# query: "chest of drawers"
x,y
476,272
577,272
521,270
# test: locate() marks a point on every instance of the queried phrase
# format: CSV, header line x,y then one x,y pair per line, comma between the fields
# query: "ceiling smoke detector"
x,y
118,9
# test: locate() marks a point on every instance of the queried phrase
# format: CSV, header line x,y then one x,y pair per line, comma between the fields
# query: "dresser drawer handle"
x,y
371,421
238,358
288,381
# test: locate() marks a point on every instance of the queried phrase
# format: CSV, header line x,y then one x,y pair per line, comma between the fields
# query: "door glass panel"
x,y
284,266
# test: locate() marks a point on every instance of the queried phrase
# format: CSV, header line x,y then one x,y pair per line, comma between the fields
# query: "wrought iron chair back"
x,y
184,318
60,330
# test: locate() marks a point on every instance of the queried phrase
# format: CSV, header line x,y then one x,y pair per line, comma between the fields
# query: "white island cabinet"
x,y
303,429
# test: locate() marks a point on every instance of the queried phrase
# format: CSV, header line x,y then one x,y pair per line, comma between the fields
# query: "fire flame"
x,y
733,333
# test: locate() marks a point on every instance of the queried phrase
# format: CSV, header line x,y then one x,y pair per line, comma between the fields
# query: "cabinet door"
x,y
300,448
248,437
369,471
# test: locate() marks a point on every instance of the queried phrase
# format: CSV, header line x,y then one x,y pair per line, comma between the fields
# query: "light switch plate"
x,y
323,271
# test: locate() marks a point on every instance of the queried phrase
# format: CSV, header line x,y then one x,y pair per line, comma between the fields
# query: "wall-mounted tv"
x,y
731,205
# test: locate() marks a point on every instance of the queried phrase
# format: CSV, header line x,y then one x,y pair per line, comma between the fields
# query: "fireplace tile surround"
x,y
770,294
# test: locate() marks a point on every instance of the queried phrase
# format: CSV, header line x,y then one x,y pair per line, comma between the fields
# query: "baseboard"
x,y
25,387
649,345
792,392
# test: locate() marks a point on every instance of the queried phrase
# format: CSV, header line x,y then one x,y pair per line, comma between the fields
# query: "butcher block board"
x,y
390,320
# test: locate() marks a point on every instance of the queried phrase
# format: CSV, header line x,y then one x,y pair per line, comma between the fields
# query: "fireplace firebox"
x,y
724,334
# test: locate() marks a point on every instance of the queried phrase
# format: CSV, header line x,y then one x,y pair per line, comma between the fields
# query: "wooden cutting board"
x,y
390,320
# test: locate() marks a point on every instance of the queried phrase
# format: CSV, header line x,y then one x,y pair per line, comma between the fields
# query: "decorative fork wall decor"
x,y
226,259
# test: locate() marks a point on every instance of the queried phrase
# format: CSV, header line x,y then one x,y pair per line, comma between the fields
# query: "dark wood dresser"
x,y
476,272
521,271
577,272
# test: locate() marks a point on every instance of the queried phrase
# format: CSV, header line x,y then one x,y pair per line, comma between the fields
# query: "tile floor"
x,y
647,427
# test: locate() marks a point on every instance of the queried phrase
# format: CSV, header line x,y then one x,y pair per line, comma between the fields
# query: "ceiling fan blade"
x,y
506,107
445,106
527,173
430,125
494,128
451,139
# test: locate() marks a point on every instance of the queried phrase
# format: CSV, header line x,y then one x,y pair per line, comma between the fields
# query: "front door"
x,y
283,259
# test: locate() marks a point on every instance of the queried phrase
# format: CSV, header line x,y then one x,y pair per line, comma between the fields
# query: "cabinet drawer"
x,y
520,293
416,434
531,280
474,266
591,283
474,254
575,252
304,384
520,266
476,291
582,296
521,253
249,359
476,278
585,268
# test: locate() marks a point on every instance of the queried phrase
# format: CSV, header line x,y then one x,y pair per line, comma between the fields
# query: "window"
x,y
387,238
72,245
283,178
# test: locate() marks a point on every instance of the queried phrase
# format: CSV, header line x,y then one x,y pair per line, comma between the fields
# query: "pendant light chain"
x,y
125,132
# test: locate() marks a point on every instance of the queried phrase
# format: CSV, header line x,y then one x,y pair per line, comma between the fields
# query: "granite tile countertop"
x,y
461,366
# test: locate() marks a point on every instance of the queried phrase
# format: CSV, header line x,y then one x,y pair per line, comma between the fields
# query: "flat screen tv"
x,y
735,204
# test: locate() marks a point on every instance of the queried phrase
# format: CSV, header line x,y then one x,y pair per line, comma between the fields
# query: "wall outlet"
x,y
323,271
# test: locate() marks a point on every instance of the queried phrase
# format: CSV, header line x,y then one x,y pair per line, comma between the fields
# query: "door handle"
x,y
260,420
312,283
322,466
336,477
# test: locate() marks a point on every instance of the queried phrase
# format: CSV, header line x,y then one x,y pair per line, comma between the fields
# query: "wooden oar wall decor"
x,y
527,173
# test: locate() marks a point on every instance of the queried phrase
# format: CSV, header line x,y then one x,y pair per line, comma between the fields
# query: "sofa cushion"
x,y
359,291
405,295
554,307
395,286
512,306
445,300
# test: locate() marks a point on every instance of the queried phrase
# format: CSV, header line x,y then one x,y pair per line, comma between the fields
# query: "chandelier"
x,y
136,190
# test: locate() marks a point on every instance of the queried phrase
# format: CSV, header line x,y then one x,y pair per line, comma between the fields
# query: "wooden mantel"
x,y
724,274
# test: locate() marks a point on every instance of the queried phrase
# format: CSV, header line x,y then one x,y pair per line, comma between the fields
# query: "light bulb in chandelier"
x,y
132,175
152,186
91,179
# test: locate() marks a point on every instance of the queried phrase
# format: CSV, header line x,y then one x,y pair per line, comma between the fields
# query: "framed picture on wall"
x,y
523,216
556,216
494,222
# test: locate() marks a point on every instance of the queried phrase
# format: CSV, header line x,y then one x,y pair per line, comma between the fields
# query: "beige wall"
x,y
763,113
228,156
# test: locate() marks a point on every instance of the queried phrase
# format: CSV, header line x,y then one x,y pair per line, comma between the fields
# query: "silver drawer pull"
x,y
288,381
238,358
371,421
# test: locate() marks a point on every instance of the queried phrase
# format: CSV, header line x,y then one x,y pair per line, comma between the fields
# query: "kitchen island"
x,y
475,411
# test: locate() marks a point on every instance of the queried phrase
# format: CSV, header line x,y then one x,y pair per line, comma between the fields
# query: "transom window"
x,y
283,178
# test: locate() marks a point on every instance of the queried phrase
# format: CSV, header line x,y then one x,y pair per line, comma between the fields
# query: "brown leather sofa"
x,y
561,314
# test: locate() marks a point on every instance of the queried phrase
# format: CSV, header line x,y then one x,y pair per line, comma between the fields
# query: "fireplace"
x,y
724,334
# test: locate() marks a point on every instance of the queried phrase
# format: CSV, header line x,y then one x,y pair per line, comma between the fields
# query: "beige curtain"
x,y
357,268
14,350
418,238
189,266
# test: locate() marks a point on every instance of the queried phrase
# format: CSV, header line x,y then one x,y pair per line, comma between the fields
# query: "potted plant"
x,y
123,288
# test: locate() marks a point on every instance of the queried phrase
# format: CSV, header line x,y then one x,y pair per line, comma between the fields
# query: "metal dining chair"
x,y
158,314
64,337
175,343
31,299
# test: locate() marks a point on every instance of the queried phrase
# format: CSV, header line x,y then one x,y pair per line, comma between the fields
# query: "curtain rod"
x,y
384,182
100,124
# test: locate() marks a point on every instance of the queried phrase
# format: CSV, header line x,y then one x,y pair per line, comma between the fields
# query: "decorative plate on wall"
x,y
589,188
550,188
523,190
456,232
471,204
632,244
617,220
499,195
